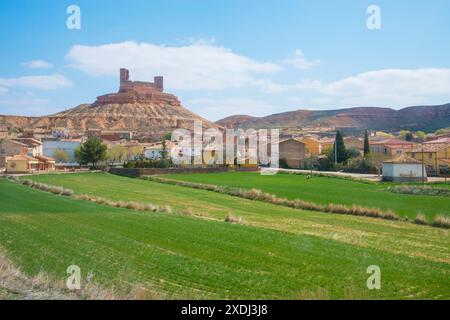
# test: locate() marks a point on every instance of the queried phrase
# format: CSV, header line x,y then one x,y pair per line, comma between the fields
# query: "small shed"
x,y
404,169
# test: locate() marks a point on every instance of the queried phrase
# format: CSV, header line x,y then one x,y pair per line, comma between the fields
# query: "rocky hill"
x,y
412,118
138,106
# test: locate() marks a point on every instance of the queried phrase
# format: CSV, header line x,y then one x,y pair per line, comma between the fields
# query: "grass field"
x,y
390,236
326,190
179,256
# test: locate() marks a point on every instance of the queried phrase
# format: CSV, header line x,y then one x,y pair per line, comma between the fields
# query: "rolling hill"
x,y
428,118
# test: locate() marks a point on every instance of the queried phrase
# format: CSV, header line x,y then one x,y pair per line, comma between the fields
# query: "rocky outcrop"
x,y
137,106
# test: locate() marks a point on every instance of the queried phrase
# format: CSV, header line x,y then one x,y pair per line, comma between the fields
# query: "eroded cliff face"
x,y
146,116
137,106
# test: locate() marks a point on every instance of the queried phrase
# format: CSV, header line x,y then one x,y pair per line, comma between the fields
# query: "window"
x,y
430,156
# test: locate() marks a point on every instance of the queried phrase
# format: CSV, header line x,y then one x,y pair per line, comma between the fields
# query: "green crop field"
x,y
326,190
277,253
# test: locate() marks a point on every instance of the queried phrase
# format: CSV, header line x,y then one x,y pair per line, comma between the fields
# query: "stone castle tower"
x,y
138,91
138,86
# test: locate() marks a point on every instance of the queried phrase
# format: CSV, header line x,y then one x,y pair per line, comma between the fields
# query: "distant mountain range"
x,y
158,116
427,118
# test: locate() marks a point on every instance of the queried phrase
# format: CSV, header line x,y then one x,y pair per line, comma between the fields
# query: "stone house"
x,y
26,164
435,156
316,146
292,152
10,147
35,147
391,147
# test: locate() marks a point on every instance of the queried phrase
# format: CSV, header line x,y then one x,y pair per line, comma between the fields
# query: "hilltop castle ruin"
x,y
138,92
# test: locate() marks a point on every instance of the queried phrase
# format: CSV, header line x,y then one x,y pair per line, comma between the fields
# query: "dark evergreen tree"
x,y
92,151
339,152
366,144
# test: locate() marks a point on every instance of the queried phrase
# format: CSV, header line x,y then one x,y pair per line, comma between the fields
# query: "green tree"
x,y
366,144
442,131
339,152
91,152
77,154
135,152
375,160
164,153
406,135
421,136
168,136
61,155
117,153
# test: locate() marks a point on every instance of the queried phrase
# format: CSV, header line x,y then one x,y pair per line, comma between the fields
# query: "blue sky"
x,y
227,57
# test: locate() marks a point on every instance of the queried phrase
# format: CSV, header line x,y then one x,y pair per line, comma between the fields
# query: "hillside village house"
x,y
434,154
24,155
391,147
292,152
355,143
26,164
316,146
34,146
154,151
3,133
12,147
404,169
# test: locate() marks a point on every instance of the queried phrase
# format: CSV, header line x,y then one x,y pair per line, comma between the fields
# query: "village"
x,y
42,151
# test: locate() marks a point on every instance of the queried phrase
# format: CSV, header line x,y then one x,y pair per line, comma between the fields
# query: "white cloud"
x,y
198,41
23,101
389,87
216,109
188,67
47,82
299,61
3,90
37,64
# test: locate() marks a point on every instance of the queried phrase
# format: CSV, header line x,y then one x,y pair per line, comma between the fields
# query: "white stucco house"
x,y
404,169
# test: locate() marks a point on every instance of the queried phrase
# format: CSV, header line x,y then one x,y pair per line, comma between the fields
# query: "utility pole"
x,y
311,157
335,152
423,164
446,158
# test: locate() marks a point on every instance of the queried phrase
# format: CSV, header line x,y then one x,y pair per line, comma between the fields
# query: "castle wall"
x,y
138,91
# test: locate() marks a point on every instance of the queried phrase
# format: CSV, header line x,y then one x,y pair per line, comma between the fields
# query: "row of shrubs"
x,y
328,175
45,187
420,190
119,204
133,205
438,221
256,194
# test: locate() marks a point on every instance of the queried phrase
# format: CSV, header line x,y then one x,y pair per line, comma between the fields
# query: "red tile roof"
x,y
44,159
429,148
442,140
393,141
403,159
21,157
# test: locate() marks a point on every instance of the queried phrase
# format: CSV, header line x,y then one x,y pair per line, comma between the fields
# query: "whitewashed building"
x,y
404,169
